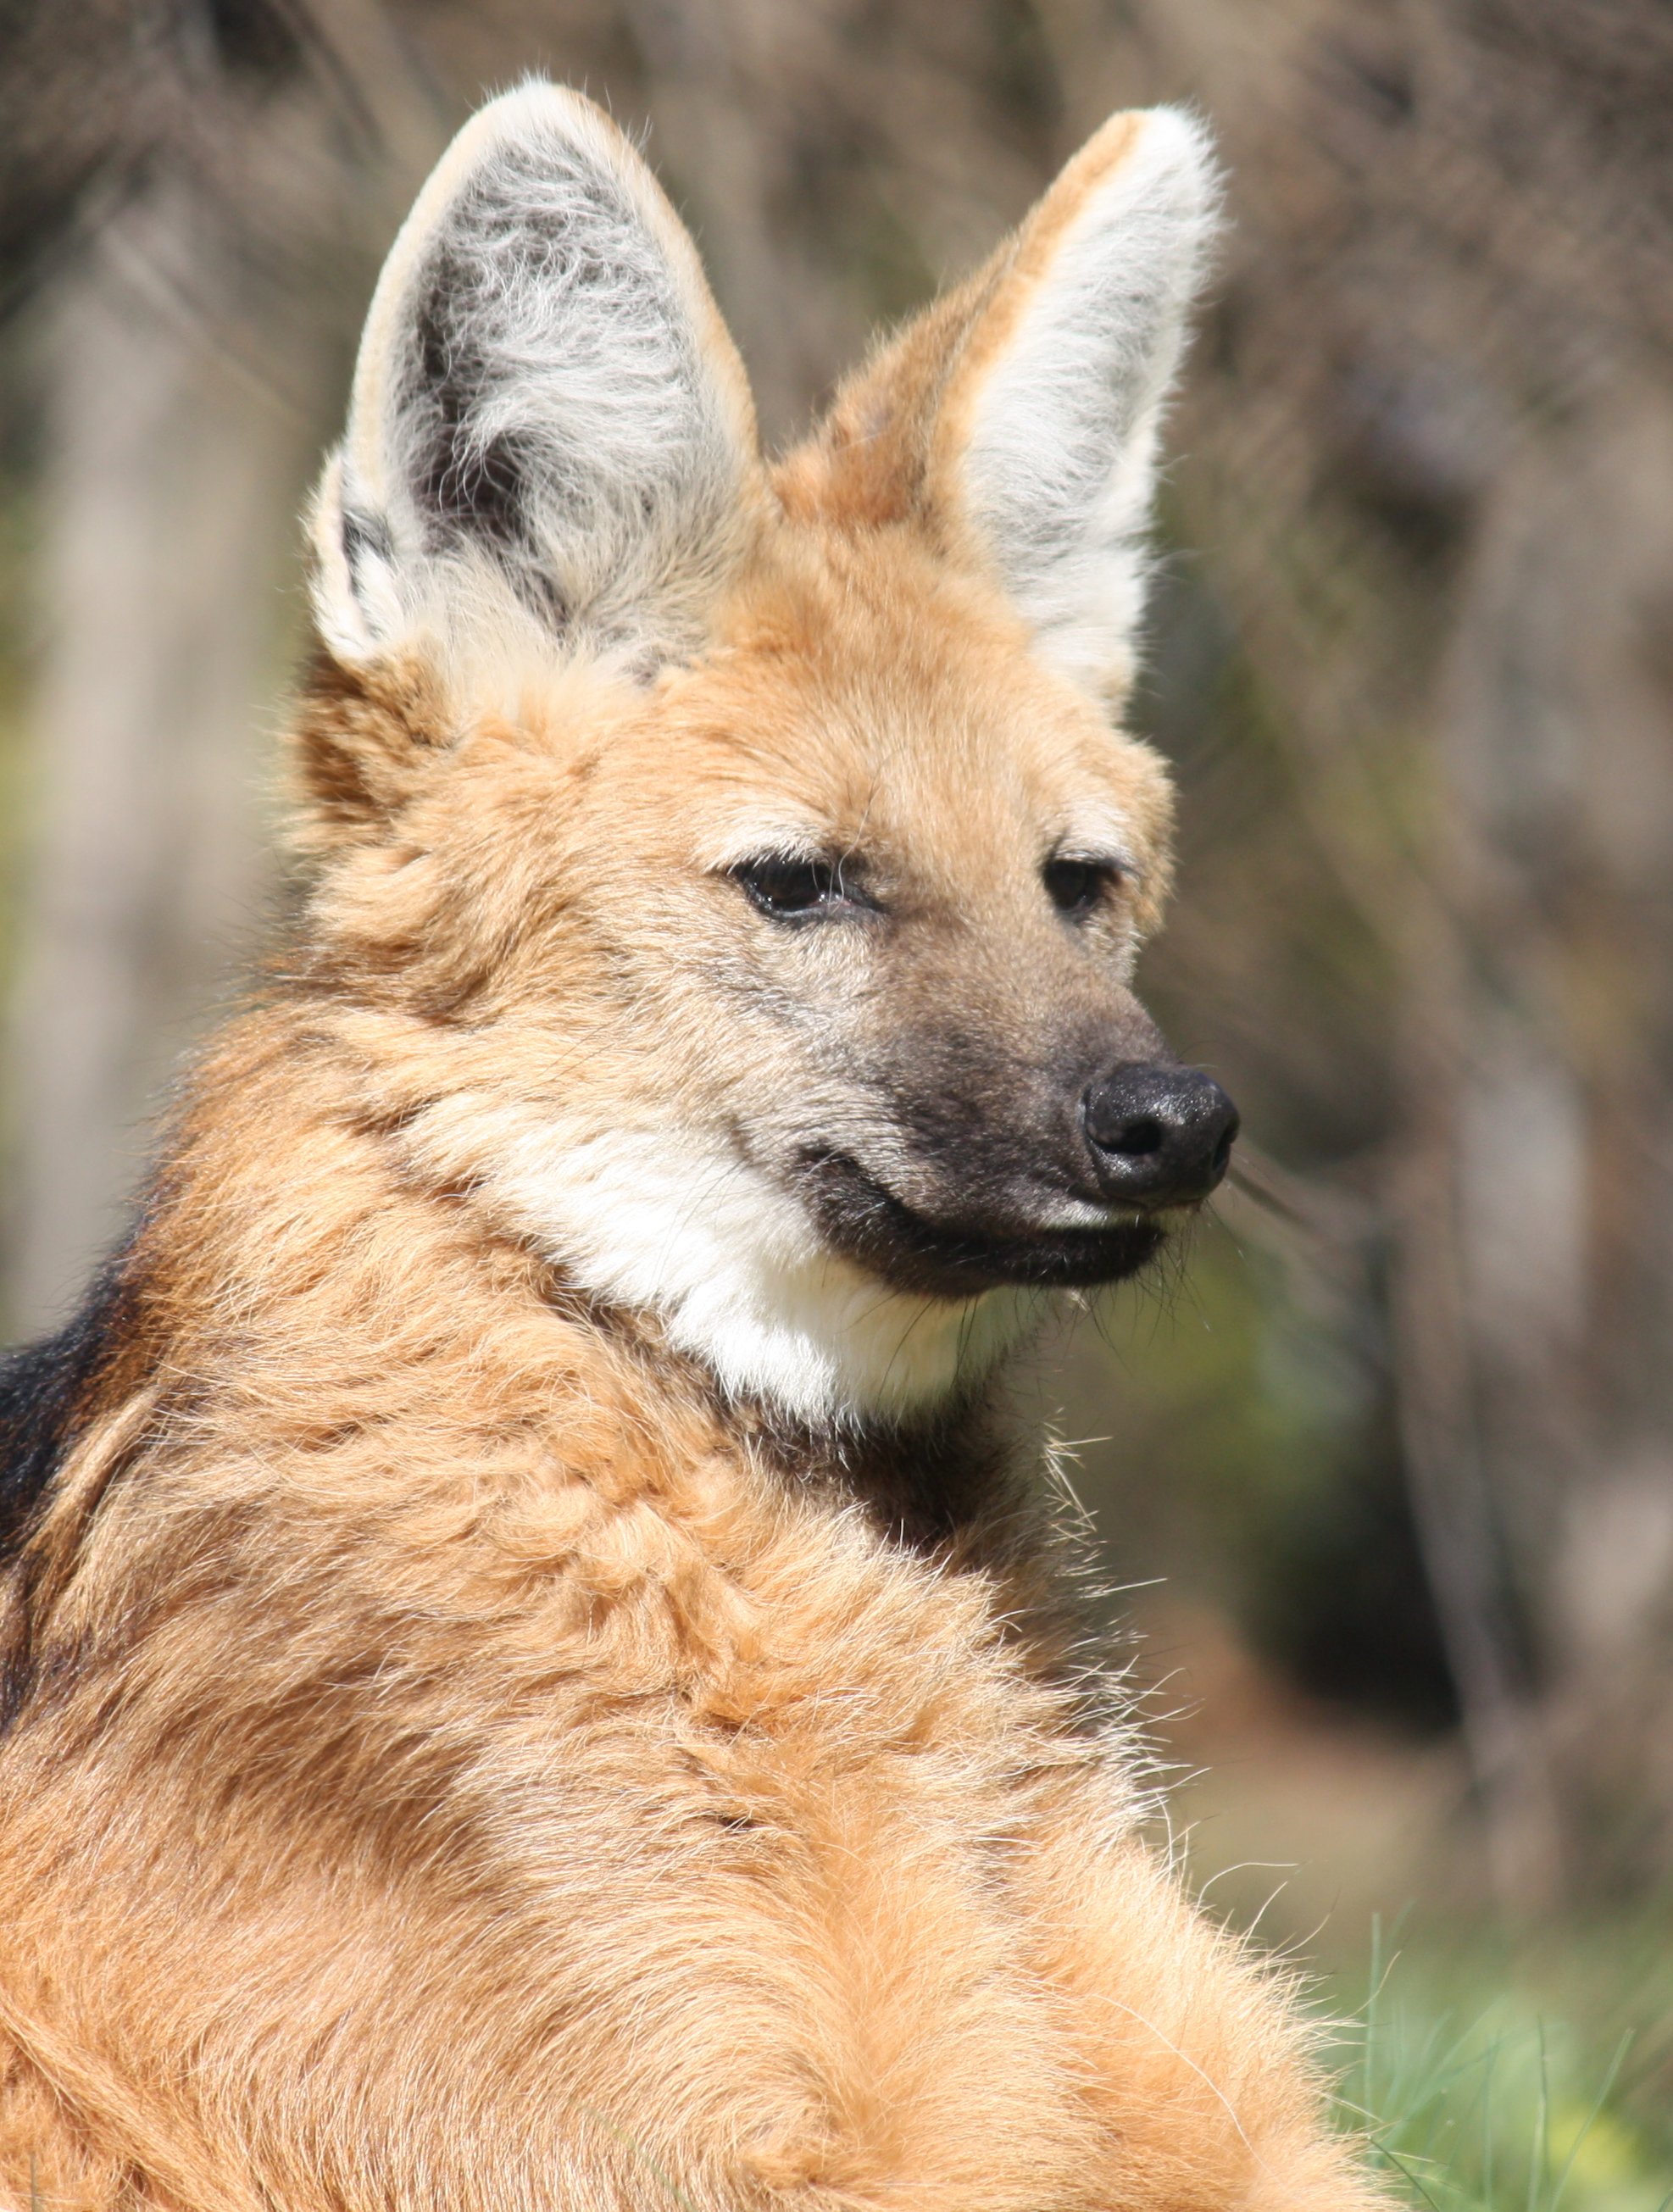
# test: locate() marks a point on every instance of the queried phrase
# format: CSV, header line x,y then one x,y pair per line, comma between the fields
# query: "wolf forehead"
x,y
862,703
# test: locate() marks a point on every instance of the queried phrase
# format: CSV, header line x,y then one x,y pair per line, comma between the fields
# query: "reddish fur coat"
x,y
461,1749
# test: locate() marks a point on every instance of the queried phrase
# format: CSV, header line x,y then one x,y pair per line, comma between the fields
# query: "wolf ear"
x,y
548,419
1016,421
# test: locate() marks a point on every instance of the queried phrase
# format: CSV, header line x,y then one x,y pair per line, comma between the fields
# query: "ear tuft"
x,y
548,421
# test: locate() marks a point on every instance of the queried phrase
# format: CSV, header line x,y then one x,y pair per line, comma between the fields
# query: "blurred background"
x,y
1385,1472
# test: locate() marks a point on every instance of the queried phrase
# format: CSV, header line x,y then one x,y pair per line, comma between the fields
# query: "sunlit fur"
x,y
533,1683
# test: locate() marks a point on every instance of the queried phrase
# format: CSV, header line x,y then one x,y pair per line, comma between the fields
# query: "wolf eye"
x,y
1075,887
788,889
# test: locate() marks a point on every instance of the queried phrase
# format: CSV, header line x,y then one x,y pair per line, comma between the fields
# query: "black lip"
x,y
863,1219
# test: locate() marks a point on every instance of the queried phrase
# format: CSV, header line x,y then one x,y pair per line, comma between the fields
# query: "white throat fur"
x,y
739,1277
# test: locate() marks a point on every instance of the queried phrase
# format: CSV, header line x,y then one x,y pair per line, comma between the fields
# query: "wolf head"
x,y
733,875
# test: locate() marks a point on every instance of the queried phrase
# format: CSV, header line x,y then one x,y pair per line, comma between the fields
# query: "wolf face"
x,y
735,874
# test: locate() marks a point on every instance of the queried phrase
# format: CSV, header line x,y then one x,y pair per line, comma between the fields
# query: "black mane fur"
x,y
45,1391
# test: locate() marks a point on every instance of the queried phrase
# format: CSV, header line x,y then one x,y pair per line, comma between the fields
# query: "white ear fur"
x,y
1054,430
550,427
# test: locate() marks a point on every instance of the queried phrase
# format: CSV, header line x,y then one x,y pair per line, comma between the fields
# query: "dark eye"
x,y
1075,887
787,889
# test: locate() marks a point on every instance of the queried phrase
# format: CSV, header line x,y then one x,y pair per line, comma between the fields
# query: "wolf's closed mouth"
x,y
864,1218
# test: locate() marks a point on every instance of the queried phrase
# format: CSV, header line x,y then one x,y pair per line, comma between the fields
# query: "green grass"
x,y
1505,2105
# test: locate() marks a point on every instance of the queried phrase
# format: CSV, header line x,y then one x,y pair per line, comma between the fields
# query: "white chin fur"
x,y
739,1277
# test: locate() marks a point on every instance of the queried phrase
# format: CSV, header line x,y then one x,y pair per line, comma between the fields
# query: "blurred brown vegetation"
x,y
1409,1418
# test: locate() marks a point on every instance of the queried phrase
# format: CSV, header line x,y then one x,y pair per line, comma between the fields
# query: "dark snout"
x,y
1158,1135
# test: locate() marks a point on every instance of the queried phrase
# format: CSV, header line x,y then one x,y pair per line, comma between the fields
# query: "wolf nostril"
x,y
1145,1135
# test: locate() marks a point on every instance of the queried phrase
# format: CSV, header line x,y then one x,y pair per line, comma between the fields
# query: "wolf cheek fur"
x,y
536,1678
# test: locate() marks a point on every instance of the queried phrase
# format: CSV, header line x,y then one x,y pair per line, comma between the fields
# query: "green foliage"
x,y
1475,2099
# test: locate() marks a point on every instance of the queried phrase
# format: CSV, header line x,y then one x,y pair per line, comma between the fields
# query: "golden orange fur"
x,y
478,1735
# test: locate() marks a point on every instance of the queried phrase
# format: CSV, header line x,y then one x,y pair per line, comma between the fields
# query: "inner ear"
x,y
470,479
546,407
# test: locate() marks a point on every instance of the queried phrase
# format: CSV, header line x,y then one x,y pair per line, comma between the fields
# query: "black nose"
x,y
1159,1135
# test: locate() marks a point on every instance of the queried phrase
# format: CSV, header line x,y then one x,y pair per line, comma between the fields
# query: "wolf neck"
x,y
422,1327
836,1352
737,1277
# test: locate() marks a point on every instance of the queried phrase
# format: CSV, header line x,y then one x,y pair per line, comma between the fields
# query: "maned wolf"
x,y
531,1671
